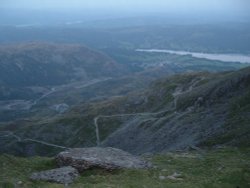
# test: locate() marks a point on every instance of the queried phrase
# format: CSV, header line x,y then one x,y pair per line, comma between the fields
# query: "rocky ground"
x,y
73,161
219,168
174,113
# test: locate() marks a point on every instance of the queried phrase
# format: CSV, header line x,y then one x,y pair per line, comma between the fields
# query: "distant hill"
x,y
47,64
50,64
210,38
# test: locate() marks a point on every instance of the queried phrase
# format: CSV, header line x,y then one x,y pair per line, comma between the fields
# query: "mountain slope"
x,y
47,64
210,110
178,112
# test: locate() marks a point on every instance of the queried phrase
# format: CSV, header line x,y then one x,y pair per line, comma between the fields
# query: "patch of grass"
x,y
14,170
221,168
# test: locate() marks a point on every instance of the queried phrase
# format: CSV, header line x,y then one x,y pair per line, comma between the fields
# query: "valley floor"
x,y
218,168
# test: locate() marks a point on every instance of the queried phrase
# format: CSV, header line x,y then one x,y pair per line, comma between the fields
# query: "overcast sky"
x,y
167,5
226,8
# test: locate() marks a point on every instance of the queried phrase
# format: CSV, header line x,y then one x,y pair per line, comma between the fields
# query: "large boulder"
x,y
64,175
96,157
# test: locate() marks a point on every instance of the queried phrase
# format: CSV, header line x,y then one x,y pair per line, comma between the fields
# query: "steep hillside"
x,y
207,110
178,112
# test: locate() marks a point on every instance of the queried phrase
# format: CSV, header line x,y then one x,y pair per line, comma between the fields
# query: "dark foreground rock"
x,y
106,158
64,175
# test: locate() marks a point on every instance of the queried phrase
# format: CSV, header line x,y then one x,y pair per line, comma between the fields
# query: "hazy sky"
x,y
221,8
154,5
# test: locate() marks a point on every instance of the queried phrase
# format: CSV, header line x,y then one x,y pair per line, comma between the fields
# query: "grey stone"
x,y
64,175
106,158
60,108
162,177
175,176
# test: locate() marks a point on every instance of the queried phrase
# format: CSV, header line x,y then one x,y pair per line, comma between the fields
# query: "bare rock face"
x,y
64,175
106,158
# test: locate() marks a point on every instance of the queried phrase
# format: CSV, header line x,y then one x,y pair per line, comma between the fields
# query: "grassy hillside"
x,y
196,109
47,64
222,168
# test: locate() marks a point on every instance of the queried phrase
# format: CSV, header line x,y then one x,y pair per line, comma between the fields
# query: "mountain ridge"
x,y
52,64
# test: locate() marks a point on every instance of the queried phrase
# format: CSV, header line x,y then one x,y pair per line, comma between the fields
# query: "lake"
x,y
221,57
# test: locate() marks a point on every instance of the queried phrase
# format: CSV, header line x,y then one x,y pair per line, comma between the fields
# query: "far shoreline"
x,y
239,58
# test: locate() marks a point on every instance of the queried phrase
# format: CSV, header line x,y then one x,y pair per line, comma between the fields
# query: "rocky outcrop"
x,y
64,175
105,158
77,160
60,108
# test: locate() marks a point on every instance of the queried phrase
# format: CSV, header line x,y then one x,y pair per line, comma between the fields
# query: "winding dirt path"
x,y
121,115
175,95
77,85
179,90
19,139
97,131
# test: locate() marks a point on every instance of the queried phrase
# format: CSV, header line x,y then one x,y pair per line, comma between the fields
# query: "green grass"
x,y
222,168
